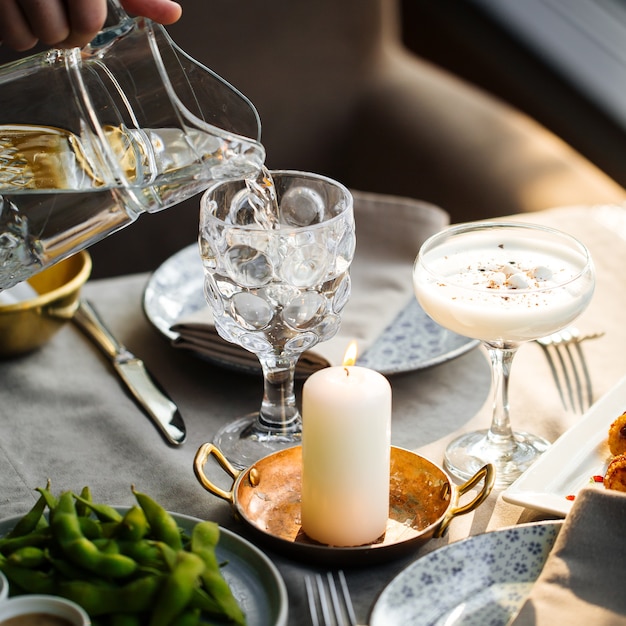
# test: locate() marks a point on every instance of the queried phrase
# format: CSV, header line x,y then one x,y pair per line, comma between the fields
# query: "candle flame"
x,y
351,354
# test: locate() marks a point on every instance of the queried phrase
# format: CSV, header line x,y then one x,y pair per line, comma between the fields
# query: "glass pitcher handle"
x,y
118,23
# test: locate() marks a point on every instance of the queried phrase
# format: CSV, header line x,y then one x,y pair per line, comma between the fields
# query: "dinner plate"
x,y
480,580
572,461
412,341
253,578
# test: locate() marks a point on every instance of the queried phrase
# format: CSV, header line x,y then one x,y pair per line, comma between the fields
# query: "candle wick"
x,y
347,371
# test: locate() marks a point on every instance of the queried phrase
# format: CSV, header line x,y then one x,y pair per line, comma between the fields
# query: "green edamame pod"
x,y
82,510
82,551
205,603
37,537
163,526
134,525
125,619
109,529
29,522
177,589
205,535
137,596
50,499
204,538
103,512
94,599
67,570
29,556
145,552
217,588
85,554
168,553
91,528
107,545
28,580
189,617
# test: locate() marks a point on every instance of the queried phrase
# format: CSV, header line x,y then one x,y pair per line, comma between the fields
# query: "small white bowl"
x,y
4,587
50,605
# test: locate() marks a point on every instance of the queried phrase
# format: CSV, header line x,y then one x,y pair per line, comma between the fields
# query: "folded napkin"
x,y
582,581
389,231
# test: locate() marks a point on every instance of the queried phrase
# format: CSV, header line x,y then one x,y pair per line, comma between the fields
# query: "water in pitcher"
x,y
58,191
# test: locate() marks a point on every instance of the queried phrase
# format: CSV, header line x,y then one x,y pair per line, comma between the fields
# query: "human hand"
x,y
69,23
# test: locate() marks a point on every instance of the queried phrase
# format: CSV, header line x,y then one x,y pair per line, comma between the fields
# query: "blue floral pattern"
x,y
479,581
412,341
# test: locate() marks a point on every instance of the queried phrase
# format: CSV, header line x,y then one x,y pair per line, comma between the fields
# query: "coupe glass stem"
x,y
500,431
279,413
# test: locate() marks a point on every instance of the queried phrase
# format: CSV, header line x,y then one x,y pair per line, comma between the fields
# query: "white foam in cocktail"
x,y
502,287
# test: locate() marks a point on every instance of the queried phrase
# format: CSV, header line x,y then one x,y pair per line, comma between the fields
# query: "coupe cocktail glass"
x,y
276,257
503,283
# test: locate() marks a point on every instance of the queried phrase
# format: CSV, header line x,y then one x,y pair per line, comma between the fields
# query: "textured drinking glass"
x,y
505,284
276,261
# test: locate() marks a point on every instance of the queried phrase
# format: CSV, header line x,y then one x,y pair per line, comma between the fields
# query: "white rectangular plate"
x,y
573,459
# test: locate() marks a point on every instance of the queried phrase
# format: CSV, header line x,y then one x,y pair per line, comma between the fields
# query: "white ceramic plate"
x,y
572,461
255,582
476,581
412,341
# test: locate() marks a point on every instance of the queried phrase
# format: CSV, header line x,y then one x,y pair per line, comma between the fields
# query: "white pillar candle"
x,y
346,447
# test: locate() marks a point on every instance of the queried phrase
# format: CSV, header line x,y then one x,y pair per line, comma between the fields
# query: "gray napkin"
x,y
582,581
389,231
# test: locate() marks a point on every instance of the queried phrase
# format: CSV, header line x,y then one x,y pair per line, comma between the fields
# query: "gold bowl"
x,y
28,324
266,498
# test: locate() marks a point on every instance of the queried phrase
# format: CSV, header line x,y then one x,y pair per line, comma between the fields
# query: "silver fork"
x,y
329,605
569,367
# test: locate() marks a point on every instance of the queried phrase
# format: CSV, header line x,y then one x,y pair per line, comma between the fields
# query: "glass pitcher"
x,y
92,138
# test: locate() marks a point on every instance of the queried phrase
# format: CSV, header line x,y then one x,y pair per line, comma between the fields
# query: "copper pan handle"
x,y
205,451
486,473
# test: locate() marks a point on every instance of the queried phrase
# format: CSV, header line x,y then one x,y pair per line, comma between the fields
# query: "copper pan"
x,y
266,497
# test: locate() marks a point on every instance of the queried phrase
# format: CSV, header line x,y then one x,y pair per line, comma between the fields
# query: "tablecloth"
x,y
65,416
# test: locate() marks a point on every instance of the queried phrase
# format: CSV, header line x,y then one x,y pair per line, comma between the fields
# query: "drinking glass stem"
x,y
500,431
279,412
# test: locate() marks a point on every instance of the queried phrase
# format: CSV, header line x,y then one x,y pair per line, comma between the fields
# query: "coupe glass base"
x,y
465,455
243,442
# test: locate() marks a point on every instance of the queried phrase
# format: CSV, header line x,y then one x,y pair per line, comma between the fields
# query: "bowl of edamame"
x,y
137,563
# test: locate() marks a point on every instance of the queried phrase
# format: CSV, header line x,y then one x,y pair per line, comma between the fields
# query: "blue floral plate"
x,y
479,581
411,342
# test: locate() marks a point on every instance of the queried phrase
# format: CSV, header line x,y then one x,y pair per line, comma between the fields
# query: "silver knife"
x,y
133,372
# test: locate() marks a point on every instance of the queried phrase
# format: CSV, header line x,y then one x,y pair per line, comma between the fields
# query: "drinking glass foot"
x,y
470,452
244,441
